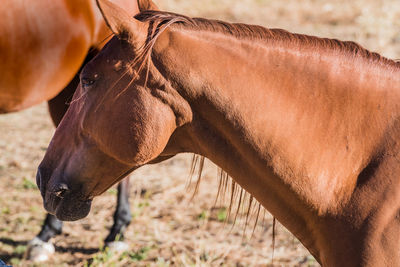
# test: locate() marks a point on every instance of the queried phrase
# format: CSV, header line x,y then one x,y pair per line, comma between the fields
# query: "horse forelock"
x,y
143,53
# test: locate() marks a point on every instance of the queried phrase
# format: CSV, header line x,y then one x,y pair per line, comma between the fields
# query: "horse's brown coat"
x,y
43,44
308,126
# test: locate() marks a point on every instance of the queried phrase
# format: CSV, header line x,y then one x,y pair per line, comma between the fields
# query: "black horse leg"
x,y
51,227
39,249
122,215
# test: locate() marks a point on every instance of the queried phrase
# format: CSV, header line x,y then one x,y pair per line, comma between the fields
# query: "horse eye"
x,y
87,82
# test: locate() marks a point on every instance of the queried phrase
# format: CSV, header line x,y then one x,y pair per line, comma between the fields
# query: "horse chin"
x,y
73,211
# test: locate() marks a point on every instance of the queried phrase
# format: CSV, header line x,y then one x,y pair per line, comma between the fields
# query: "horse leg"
x,y
122,218
39,248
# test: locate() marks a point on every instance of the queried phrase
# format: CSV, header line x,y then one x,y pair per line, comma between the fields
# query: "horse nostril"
x,y
61,191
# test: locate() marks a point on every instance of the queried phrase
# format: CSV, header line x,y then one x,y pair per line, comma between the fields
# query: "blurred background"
x,y
168,228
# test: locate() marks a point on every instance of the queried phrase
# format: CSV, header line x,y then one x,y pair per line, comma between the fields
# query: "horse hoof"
x,y
38,250
117,246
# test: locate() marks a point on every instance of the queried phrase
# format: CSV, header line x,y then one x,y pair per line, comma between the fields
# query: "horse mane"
x,y
160,20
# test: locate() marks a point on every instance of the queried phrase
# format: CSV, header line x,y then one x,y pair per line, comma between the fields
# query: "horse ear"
x,y
146,5
120,22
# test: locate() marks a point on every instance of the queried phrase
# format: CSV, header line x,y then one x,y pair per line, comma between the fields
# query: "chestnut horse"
x,y
308,126
43,45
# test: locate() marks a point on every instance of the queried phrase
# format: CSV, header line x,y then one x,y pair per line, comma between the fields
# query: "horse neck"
x,y
289,124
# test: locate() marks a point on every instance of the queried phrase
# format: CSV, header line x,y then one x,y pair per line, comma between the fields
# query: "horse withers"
x,y
308,126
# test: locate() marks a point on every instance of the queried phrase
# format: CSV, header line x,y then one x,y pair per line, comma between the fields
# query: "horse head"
x,y
120,118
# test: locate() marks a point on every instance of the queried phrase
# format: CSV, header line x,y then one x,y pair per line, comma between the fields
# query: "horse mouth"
x,y
68,208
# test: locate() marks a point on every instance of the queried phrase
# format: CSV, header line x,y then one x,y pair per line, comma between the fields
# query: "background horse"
x,y
43,45
308,126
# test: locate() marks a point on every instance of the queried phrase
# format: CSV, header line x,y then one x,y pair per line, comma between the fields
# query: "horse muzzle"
x,y
69,207
60,200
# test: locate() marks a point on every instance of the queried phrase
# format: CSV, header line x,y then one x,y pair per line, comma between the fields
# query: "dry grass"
x,y
168,228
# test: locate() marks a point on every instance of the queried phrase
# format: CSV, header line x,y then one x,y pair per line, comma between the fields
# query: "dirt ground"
x,y
168,228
